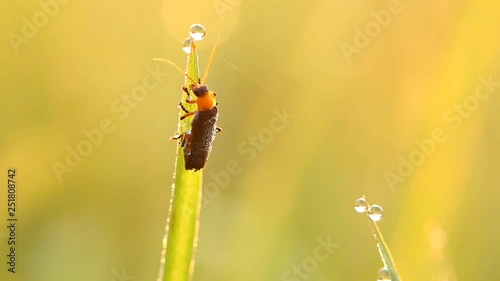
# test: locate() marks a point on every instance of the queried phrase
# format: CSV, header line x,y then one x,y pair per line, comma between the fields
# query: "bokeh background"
x,y
356,117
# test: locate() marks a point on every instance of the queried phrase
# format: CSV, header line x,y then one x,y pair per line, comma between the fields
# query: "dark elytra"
x,y
200,139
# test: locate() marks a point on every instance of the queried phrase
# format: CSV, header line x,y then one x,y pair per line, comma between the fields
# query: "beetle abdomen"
x,y
203,131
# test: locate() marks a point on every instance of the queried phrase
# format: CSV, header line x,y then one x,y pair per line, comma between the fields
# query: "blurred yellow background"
x,y
397,100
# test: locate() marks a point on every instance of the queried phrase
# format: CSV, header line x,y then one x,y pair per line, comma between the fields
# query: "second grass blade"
x,y
179,244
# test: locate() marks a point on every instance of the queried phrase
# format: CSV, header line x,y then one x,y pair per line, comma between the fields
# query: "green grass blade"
x,y
181,234
383,249
385,253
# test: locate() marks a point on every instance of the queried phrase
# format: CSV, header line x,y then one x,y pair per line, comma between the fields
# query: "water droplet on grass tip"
x,y
186,46
383,275
375,212
360,205
197,32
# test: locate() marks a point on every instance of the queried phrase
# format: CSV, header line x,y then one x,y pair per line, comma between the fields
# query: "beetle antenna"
x,y
204,77
177,67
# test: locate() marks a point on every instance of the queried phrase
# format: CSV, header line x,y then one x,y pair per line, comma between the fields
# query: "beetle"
x,y
198,141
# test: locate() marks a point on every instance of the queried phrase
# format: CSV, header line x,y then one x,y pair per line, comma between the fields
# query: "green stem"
x,y
181,235
383,249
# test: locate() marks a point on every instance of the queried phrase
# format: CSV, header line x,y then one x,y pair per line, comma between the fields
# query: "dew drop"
x,y
186,46
197,32
360,205
383,275
375,212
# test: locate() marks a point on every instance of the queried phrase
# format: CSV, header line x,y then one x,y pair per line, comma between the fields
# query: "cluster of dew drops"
x,y
197,32
375,213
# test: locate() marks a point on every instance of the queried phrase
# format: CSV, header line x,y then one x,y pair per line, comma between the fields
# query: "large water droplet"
x,y
383,275
375,212
360,205
197,32
186,46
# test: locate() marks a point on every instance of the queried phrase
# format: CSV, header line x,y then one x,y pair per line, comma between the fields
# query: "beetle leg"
x,y
183,108
188,99
184,138
186,143
187,115
176,136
